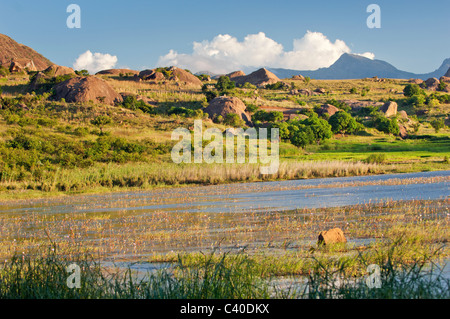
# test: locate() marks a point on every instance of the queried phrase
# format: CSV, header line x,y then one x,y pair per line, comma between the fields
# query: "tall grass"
x,y
223,276
148,175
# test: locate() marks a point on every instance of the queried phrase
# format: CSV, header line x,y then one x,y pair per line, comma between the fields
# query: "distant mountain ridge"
x,y
351,66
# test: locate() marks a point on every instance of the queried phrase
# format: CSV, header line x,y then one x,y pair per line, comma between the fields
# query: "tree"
x,y
283,128
437,124
224,84
342,122
82,73
304,136
320,128
101,121
388,126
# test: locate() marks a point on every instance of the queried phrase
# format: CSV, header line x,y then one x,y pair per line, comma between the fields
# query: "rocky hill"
x,y
16,56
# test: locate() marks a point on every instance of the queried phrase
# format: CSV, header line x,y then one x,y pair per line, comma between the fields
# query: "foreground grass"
x,y
233,276
254,255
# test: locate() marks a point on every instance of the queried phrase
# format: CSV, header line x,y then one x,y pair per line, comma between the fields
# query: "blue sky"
x,y
414,35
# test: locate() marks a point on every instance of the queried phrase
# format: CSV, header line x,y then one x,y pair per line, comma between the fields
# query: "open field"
x,y
53,149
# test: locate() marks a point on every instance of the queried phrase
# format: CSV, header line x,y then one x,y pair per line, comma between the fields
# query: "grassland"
x,y
51,148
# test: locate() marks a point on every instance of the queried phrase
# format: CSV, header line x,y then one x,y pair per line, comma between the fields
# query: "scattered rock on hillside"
x,y
432,84
356,104
331,236
85,89
38,79
260,78
403,133
58,70
223,105
118,72
445,79
305,92
22,65
403,115
320,91
17,56
327,108
235,74
298,77
152,75
178,75
185,77
415,81
389,108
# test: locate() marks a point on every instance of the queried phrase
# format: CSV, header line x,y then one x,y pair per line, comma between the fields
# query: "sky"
x,y
222,36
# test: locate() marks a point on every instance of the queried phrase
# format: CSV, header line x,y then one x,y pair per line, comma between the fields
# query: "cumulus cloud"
x,y
94,62
225,53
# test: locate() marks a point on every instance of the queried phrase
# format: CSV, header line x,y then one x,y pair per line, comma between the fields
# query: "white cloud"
x,y
368,55
224,53
94,62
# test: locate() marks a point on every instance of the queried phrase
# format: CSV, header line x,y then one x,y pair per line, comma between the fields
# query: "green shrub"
x,y
234,120
412,89
342,122
224,84
388,126
417,100
376,158
437,124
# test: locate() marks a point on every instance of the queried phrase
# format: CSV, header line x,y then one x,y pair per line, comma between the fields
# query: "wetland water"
x,y
255,197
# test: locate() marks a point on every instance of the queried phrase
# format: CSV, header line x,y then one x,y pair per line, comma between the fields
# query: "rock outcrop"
x,y
85,89
18,57
331,236
389,109
327,108
223,105
118,72
260,78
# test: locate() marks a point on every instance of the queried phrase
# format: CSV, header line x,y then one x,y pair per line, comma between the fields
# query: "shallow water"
x,y
262,196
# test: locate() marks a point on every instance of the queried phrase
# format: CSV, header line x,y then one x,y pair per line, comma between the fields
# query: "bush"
x,y
388,126
101,121
224,84
412,89
82,73
248,85
180,110
277,86
376,158
437,124
442,86
342,122
232,119
417,100
308,131
131,102
251,108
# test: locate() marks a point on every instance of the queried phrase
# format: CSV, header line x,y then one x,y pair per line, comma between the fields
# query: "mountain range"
x,y
348,66
351,66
